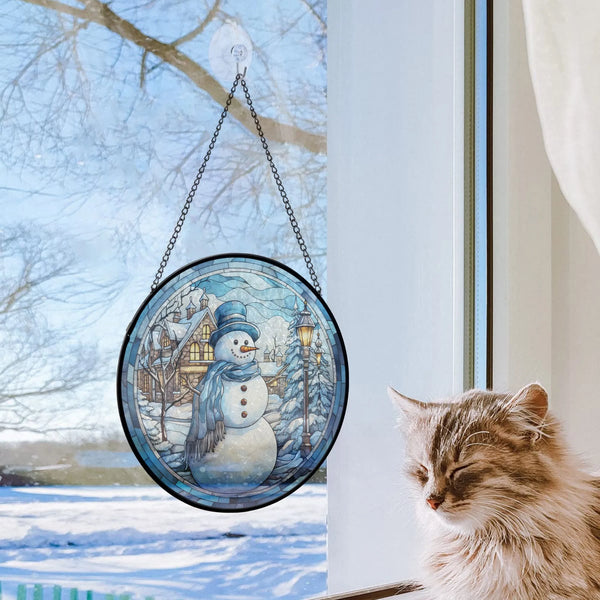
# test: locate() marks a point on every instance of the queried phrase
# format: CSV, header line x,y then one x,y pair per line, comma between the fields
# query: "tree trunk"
x,y
163,414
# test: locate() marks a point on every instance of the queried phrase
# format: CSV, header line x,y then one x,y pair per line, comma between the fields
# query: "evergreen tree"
x,y
320,389
290,426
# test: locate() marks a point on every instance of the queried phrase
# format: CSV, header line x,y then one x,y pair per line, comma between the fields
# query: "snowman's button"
x,y
244,388
244,414
243,402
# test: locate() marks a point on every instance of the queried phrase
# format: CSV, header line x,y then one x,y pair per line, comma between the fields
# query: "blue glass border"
x,y
133,427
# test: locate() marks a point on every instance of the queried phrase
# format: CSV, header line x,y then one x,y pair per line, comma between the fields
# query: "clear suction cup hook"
x,y
230,52
239,53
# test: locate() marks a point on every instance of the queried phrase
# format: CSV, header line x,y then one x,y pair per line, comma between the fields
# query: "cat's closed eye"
x,y
420,472
458,470
507,512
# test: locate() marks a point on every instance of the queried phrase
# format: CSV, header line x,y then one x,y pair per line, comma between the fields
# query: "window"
x,y
195,351
138,108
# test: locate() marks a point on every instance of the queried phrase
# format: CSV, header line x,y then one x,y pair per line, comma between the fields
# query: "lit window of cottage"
x,y
195,351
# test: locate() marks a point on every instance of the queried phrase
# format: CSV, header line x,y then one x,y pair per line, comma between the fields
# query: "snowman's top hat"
x,y
231,316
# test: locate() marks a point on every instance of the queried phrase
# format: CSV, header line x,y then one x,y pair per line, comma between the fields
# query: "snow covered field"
x,y
142,541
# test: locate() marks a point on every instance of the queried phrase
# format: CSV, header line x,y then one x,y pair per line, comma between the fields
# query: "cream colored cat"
x,y
508,511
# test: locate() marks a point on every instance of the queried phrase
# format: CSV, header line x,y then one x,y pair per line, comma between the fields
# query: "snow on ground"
x,y
142,541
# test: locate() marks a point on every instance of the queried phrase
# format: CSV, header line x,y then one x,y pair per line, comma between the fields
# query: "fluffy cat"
x,y
508,512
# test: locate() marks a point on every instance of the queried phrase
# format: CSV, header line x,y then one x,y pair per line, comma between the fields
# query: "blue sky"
x,y
95,160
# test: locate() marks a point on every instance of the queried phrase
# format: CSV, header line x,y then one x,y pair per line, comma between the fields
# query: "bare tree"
x,y
113,104
94,11
118,97
163,370
41,365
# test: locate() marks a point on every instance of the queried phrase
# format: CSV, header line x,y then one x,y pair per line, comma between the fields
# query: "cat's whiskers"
x,y
520,533
445,428
478,444
503,497
507,516
504,520
475,433
522,525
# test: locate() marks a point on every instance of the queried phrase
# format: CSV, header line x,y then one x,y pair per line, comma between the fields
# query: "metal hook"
x,y
239,52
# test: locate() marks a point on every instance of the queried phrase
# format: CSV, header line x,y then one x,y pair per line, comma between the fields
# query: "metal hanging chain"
x,y
192,192
284,198
239,78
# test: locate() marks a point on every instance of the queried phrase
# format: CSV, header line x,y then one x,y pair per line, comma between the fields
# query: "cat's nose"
x,y
435,501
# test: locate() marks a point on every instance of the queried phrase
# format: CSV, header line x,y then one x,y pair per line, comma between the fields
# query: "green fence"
x,y
56,592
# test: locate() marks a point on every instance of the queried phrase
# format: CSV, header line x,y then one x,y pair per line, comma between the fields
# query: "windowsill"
x,y
406,589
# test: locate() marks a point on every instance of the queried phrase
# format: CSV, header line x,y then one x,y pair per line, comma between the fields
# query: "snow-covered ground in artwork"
x,y
141,541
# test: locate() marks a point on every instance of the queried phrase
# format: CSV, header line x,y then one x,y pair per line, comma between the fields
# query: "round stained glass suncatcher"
x,y
233,382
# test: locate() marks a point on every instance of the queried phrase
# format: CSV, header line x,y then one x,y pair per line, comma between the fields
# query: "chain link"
x,y
284,197
239,78
193,189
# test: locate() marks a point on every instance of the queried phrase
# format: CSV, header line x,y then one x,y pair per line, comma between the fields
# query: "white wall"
x,y
522,214
546,269
575,329
394,258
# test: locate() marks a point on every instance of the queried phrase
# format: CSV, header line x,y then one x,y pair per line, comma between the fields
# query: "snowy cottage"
x,y
177,355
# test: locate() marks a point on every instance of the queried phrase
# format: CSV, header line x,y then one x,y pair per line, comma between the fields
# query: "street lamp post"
x,y
318,349
305,328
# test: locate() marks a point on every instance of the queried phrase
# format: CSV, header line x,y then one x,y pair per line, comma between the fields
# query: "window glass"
x,y
106,111
195,351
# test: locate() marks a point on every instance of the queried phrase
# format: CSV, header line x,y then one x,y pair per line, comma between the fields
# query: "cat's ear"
x,y
531,399
409,408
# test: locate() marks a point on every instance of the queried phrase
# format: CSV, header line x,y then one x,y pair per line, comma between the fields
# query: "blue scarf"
x,y
207,428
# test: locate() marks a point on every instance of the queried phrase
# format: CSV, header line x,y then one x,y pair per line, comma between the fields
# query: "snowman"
x,y
230,447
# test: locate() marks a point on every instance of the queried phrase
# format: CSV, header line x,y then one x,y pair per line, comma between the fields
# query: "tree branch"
x,y
198,30
143,69
100,13
62,7
315,14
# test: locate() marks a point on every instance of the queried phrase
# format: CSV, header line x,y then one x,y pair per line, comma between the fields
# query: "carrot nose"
x,y
435,502
247,348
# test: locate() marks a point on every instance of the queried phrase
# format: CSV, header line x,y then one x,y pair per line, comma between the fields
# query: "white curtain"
x,y
563,43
